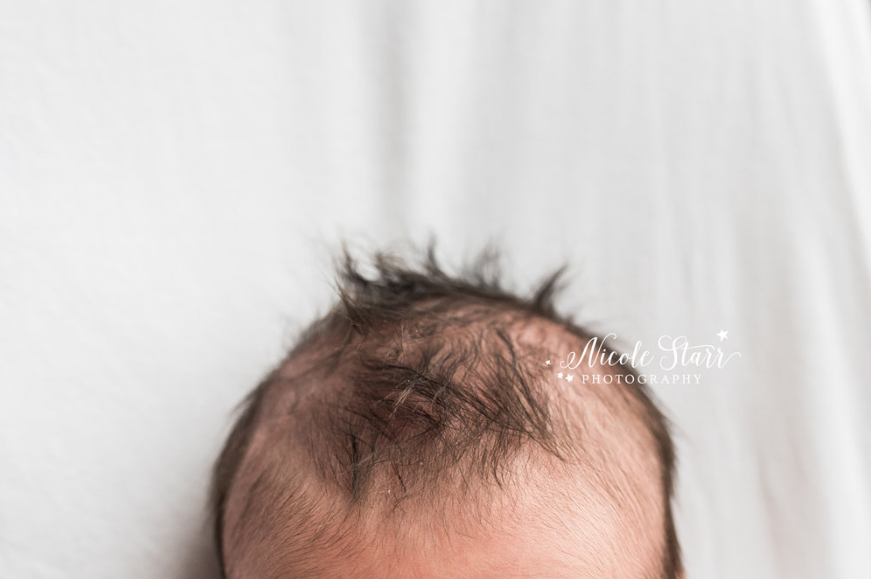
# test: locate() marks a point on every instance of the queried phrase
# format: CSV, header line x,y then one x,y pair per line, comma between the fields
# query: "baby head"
x,y
418,431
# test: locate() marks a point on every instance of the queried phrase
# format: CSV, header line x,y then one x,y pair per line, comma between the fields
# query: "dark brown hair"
x,y
401,342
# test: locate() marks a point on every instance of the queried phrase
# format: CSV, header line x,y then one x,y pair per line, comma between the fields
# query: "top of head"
x,y
414,431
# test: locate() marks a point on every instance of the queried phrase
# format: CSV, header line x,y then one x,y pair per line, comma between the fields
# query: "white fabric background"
x,y
174,175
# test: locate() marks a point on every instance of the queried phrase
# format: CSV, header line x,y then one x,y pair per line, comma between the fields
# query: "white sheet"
x,y
174,174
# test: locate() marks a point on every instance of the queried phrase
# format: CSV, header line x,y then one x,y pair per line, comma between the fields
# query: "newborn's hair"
x,y
415,382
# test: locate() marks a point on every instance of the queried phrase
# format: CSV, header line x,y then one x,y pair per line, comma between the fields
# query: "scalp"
x,y
418,411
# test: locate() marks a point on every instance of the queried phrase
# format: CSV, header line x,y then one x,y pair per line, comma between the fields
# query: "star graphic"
x,y
723,334
547,363
570,377
560,375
